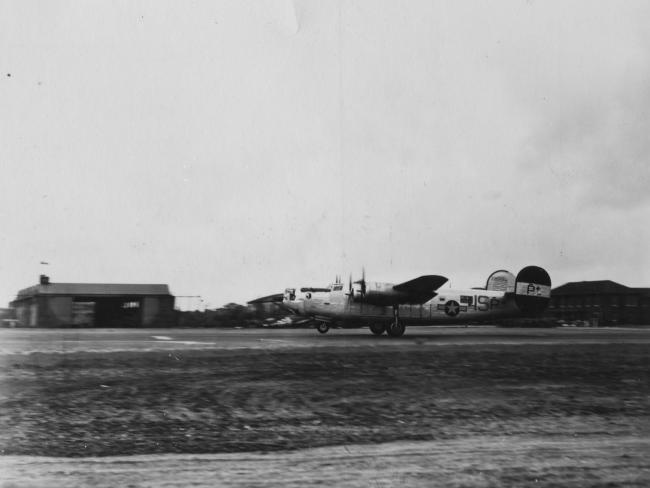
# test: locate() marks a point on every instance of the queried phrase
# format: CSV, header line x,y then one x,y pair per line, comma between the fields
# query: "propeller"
x,y
362,281
361,289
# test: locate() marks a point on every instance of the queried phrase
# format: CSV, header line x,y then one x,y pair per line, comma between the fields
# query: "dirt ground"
x,y
100,404
470,461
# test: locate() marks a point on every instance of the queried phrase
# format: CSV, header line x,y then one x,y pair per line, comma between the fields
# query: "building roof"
x,y
89,289
602,287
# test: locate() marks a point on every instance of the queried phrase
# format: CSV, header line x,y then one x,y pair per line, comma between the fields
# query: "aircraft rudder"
x,y
532,290
501,280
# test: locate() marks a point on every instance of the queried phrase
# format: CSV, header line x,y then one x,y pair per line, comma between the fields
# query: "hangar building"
x,y
94,305
600,303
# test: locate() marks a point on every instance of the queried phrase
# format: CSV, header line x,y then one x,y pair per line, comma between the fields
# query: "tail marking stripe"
x,y
533,289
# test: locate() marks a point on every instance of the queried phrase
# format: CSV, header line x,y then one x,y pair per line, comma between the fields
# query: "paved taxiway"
x,y
24,341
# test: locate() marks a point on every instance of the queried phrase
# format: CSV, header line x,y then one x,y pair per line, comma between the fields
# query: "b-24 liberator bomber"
x,y
389,308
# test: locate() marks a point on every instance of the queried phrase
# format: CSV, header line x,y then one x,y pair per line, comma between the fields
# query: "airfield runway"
x,y
25,341
440,406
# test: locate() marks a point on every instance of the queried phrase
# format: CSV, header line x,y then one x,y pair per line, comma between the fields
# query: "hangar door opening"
x,y
107,311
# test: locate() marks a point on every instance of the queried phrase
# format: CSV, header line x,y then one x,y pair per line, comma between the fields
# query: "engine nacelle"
x,y
532,290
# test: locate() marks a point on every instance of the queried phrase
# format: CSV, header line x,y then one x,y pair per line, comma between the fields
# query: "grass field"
x,y
85,404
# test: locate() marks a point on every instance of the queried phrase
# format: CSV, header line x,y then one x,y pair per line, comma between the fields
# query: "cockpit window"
x,y
337,287
290,294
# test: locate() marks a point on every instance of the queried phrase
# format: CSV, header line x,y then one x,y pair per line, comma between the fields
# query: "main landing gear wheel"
x,y
396,328
378,328
323,327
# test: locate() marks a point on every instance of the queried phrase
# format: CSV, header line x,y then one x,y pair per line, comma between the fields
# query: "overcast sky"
x,y
231,149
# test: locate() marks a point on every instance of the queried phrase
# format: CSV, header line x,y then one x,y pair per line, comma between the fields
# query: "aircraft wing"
x,y
422,289
275,298
423,284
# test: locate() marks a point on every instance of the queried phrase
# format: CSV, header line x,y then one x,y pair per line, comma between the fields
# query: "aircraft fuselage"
x,y
449,306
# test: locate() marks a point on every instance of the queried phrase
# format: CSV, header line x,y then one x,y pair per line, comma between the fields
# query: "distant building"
x,y
600,303
94,305
8,317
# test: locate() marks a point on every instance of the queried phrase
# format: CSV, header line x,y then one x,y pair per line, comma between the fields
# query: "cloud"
x,y
598,147
580,80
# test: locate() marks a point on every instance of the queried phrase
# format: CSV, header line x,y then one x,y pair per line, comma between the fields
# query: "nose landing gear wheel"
x,y
323,327
378,328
